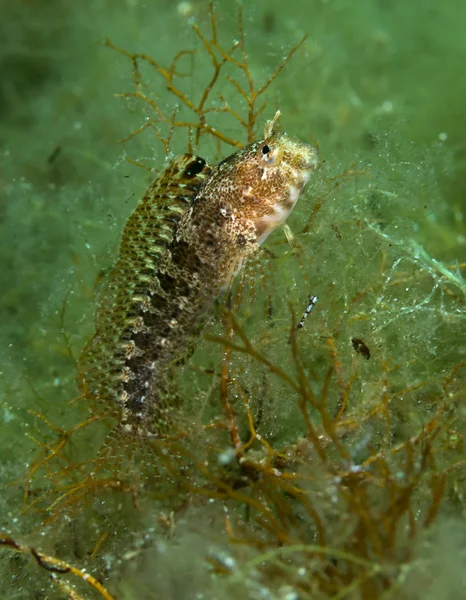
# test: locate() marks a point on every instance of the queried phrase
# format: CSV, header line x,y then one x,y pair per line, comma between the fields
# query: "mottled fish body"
x,y
185,241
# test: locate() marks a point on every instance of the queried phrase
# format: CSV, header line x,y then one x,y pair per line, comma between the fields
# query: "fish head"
x,y
263,181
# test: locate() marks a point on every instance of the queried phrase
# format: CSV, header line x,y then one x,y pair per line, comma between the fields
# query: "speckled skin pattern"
x,y
185,241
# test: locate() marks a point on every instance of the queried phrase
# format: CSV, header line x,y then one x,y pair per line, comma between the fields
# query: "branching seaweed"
x,y
201,109
57,569
376,503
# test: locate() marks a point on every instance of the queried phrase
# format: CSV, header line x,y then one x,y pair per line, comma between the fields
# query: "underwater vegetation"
x,y
317,449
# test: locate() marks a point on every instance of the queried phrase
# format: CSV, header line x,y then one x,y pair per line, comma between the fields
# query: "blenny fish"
x,y
185,241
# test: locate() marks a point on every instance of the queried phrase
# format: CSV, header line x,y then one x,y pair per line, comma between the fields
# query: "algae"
x,y
322,474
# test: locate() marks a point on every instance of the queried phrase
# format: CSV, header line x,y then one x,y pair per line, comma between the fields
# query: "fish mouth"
x,y
305,160
310,159
308,165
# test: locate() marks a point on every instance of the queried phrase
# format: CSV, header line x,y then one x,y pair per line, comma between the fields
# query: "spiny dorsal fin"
x,y
156,217
147,233
150,229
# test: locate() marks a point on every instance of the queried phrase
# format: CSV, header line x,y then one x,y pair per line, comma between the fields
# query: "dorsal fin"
x,y
156,217
146,235
150,229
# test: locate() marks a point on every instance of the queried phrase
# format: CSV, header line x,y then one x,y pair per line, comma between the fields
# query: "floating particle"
x,y
54,154
361,348
337,231
312,303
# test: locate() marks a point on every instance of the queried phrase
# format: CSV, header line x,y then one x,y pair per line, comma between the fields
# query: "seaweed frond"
x,y
201,108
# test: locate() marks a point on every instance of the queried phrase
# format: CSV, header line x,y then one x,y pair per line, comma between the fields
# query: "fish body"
x,y
185,241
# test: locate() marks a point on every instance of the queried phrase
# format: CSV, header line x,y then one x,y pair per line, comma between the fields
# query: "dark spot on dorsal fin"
x,y
194,167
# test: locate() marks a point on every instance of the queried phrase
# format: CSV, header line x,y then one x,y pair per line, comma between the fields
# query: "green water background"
x,y
381,82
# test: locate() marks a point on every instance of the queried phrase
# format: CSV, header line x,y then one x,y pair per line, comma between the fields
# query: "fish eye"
x,y
268,154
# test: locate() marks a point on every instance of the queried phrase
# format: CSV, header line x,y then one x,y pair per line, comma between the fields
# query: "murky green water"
x,y
380,239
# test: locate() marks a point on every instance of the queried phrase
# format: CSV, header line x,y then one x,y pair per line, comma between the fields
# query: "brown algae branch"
x,y
252,95
55,566
219,57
